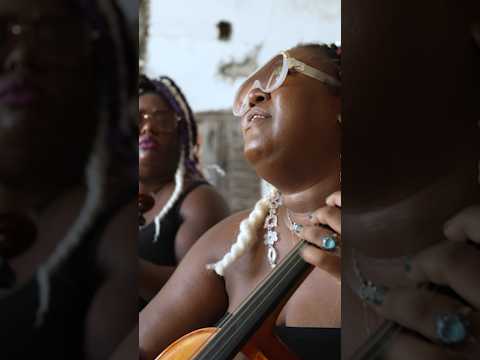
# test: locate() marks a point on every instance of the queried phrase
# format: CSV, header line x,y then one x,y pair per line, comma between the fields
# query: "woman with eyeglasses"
x,y
178,204
289,113
68,182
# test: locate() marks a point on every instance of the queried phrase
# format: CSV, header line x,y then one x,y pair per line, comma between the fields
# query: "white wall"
x,y
184,45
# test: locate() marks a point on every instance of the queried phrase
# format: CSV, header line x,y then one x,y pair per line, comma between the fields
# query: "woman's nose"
x,y
19,53
257,96
146,125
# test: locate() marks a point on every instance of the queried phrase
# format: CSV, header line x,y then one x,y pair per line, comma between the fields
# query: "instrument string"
x,y
249,311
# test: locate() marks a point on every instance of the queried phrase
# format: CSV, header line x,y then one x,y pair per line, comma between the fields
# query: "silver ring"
x,y
297,228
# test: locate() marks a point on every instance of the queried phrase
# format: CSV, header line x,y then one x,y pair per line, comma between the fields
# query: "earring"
x,y
339,119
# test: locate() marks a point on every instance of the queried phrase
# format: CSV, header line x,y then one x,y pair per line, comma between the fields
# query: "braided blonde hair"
x,y
179,181
180,173
97,167
95,176
248,233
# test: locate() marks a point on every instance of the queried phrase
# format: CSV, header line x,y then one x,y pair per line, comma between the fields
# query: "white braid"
x,y
180,173
95,177
43,295
247,235
95,174
179,180
184,107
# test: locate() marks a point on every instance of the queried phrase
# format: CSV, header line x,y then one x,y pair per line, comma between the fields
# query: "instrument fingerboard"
x,y
257,307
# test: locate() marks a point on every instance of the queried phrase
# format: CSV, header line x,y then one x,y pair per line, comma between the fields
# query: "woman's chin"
x,y
151,169
256,152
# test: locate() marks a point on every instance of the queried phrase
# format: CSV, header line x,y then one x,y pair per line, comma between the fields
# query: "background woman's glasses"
x,y
50,39
164,121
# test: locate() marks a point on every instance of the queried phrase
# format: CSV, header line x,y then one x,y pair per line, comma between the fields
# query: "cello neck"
x,y
236,331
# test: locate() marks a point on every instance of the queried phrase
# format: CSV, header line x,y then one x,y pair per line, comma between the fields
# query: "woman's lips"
x,y
147,144
16,92
18,98
254,116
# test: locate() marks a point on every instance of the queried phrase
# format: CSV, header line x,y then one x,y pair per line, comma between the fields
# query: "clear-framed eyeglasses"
x,y
272,76
163,120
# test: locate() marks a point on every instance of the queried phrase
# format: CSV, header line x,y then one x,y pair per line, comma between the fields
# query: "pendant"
x,y
271,237
373,294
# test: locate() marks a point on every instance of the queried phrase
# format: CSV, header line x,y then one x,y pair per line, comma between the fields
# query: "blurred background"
x,y
209,47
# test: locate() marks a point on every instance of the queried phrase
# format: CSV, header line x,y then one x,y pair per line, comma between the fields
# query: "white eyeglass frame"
x,y
287,64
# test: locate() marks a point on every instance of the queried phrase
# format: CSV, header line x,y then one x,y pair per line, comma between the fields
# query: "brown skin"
x,y
272,147
48,143
269,144
201,209
30,140
436,214
157,167
435,223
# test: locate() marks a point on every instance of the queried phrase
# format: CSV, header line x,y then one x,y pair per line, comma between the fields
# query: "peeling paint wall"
x,y
184,41
221,144
233,69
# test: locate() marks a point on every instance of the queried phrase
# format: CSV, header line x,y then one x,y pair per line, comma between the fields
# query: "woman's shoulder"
x,y
231,223
219,238
119,239
204,197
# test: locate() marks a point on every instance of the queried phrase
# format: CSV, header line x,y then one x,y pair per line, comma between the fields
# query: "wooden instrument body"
x,y
188,345
264,345
251,327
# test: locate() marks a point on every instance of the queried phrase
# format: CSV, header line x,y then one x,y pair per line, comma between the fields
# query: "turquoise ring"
x,y
451,329
329,242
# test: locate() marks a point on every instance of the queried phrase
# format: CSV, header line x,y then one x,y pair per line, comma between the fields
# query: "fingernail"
x,y
297,228
328,200
373,294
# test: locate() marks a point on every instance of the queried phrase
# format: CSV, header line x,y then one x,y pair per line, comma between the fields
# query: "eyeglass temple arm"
x,y
314,73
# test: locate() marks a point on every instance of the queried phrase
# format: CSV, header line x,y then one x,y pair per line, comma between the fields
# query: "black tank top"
x,y
162,251
308,343
72,288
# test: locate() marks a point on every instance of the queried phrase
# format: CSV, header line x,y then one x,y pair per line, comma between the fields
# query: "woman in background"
x,y
68,182
184,204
